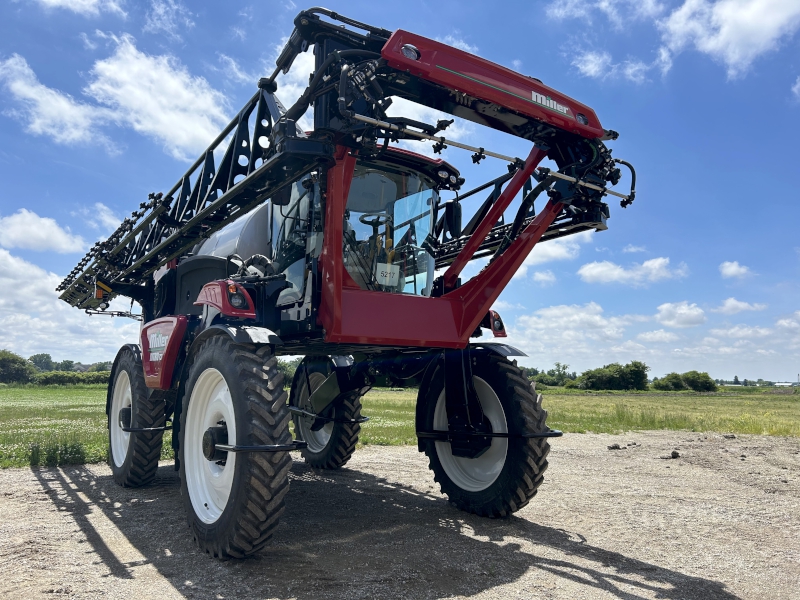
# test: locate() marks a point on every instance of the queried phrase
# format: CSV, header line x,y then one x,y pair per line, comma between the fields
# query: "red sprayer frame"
x,y
351,315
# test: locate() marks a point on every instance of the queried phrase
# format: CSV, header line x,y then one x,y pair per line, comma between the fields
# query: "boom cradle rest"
x,y
337,243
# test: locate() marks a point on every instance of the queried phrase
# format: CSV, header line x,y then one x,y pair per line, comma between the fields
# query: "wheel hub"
x,y
125,417
211,438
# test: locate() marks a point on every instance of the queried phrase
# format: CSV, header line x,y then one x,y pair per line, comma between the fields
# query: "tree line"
x,y
42,369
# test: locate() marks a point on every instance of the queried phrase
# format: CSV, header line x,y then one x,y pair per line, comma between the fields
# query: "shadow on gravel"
x,y
350,534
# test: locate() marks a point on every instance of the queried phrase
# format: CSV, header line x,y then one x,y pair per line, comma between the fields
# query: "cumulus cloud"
x,y
630,248
733,32
742,332
99,216
659,335
656,269
565,248
544,278
168,17
457,42
617,11
27,230
680,315
796,88
155,96
731,269
33,319
234,71
89,8
600,65
48,112
731,306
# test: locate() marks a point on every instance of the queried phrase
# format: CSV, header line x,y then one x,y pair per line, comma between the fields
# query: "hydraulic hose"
x,y
519,219
301,106
632,195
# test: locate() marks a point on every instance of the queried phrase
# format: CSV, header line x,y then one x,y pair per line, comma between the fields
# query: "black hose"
x,y
301,106
632,195
527,202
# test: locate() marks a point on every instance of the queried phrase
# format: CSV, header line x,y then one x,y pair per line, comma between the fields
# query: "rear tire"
x,y
133,457
509,473
233,505
333,445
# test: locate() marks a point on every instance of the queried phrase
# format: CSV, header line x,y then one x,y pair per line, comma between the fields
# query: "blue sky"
x,y
103,101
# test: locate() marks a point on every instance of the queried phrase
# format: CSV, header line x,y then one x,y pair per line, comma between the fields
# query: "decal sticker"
x,y
387,275
158,343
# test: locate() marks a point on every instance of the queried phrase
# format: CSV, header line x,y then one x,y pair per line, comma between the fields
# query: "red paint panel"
x,y
161,343
478,77
216,294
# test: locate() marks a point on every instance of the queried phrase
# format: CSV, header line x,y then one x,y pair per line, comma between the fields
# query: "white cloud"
x,y
168,17
503,305
459,43
49,112
594,64
655,269
157,96
85,7
630,248
680,315
600,65
99,216
659,335
234,72
154,95
617,11
796,88
87,43
733,32
731,306
516,64
238,32
33,319
27,230
790,323
565,248
742,332
544,278
730,269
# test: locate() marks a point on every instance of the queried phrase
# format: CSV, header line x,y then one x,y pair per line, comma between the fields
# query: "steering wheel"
x,y
378,219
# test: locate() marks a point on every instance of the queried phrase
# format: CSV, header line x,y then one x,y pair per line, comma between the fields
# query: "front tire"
x,y
233,504
331,446
133,457
509,473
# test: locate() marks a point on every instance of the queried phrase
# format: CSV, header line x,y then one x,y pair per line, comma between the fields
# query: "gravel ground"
x,y
720,521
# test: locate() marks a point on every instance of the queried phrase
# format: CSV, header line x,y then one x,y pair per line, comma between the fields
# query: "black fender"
x,y
241,334
137,351
503,350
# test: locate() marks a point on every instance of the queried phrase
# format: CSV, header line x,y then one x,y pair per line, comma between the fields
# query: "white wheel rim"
x,y
122,398
474,474
316,440
209,484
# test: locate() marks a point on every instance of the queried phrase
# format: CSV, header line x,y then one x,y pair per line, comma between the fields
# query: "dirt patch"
x,y
722,520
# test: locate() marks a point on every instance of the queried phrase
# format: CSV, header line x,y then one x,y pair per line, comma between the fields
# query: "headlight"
x,y
410,52
582,119
237,301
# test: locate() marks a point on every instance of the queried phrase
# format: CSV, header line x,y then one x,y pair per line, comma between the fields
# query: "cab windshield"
x,y
389,215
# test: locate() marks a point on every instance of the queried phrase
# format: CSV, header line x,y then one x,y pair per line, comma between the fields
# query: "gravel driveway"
x,y
720,521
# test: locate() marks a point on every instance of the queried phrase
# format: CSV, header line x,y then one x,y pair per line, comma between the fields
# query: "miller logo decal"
x,y
548,102
158,343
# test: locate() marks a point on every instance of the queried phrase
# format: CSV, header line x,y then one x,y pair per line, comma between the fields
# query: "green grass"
x,y
67,425
55,425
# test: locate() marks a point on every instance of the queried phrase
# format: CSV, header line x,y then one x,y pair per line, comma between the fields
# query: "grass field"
x,y
66,425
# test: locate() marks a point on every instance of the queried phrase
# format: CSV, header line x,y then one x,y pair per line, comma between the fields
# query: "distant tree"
x,y
735,380
64,365
615,376
672,382
15,369
43,362
745,383
288,368
98,367
699,382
